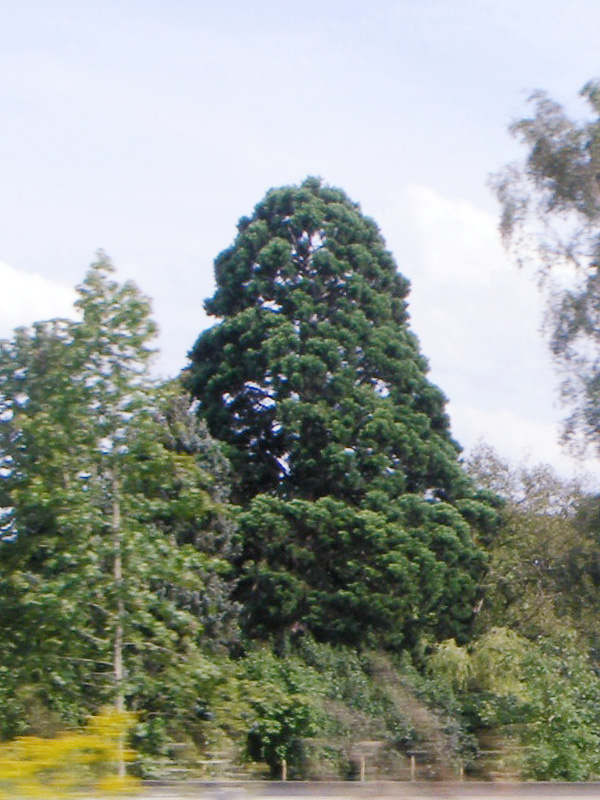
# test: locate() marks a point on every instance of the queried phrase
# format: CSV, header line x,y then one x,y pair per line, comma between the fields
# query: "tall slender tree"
x,y
105,508
341,446
113,379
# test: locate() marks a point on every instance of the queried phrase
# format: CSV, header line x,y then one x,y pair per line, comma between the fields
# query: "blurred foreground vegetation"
x,y
71,763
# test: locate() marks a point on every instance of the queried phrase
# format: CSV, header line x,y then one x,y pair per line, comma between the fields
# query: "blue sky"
x,y
148,128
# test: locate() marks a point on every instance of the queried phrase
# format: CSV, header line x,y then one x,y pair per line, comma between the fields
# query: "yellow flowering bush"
x,y
70,764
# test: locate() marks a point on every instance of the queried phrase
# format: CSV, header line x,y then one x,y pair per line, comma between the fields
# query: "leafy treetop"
x,y
551,217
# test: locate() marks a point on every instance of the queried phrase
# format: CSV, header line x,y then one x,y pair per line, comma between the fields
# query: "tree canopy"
x,y
105,510
340,444
313,376
358,531
551,218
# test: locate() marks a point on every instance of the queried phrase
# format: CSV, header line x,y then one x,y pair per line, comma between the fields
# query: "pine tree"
x,y
341,446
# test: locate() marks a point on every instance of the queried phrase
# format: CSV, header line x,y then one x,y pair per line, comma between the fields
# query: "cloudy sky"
x,y
147,128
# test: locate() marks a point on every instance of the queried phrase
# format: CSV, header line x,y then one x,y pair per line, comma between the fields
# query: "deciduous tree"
x,y
551,218
107,506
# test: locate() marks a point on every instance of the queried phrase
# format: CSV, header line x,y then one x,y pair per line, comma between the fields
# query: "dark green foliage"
x,y
341,447
347,573
313,377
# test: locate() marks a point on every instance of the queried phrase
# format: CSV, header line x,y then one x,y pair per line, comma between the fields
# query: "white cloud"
x,y
478,320
477,316
28,297
458,241
518,437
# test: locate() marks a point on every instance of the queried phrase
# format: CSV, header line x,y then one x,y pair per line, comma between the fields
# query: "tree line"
x,y
281,555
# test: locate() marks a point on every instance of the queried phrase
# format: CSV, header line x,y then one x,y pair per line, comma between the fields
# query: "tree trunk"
x,y
118,640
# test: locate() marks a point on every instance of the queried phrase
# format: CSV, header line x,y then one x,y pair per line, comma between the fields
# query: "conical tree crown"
x,y
313,377
356,520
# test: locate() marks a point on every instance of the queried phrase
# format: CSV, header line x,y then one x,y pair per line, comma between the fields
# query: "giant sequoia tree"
x,y
345,463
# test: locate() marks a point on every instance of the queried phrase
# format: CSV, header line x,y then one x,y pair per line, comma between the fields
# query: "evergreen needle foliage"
x,y
357,519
